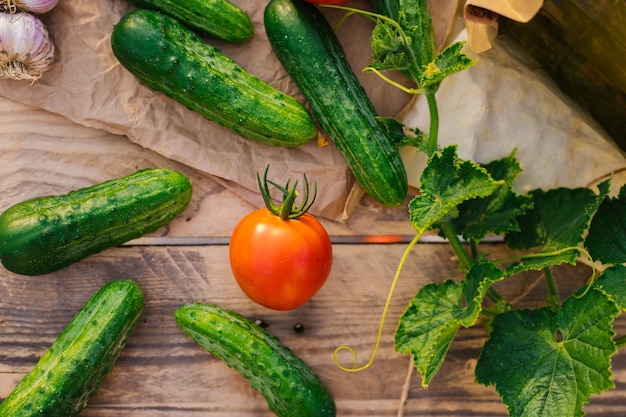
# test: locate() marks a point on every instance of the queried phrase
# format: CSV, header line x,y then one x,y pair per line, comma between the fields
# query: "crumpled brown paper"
x,y
87,85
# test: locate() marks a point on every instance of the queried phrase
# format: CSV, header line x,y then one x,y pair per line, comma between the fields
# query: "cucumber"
x,y
70,372
220,19
416,18
310,52
170,58
287,383
46,234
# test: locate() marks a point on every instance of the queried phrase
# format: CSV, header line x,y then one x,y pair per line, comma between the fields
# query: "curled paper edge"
x,y
481,18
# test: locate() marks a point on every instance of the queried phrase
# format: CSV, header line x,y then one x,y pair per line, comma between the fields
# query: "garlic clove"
x,y
26,50
32,6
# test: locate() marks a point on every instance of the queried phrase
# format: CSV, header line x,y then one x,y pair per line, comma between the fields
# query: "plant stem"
x,y
495,297
488,313
553,298
446,227
473,248
433,134
466,260
289,197
455,242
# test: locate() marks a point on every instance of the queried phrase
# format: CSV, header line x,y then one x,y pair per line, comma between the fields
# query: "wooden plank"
x,y
161,372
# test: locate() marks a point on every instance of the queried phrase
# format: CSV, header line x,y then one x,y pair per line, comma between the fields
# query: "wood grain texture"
x,y
163,373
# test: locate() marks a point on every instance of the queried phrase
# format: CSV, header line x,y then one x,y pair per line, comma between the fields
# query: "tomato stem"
x,y
287,209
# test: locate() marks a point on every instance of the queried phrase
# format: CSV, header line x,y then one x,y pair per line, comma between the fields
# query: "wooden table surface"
x,y
163,373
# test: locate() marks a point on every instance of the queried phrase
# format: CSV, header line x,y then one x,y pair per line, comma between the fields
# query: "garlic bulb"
x,y
33,6
26,50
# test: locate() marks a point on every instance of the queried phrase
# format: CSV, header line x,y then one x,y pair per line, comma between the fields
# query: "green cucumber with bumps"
x,y
171,59
312,55
287,383
45,234
416,21
68,375
220,19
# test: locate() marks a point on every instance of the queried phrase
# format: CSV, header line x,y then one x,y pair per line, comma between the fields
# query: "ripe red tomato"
x,y
279,263
281,255
332,2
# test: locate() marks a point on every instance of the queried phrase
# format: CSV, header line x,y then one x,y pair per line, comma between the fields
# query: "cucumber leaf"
x,y
389,48
607,233
613,283
543,362
449,61
433,317
402,135
556,223
498,212
429,324
477,281
445,183
404,40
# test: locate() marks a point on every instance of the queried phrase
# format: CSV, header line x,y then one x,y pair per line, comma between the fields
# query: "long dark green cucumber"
x,y
45,234
217,18
417,21
170,58
287,383
310,52
70,372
